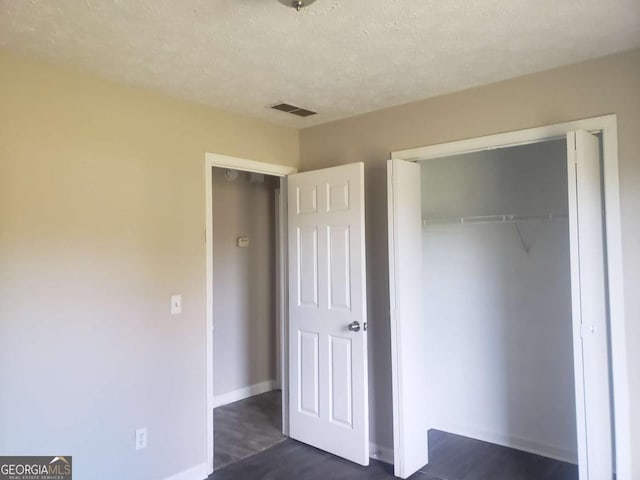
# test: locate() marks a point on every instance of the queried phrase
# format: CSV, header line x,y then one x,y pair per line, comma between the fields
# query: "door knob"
x,y
354,327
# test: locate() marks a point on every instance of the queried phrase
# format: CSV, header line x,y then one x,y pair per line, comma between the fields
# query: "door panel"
x,y
307,274
328,361
308,391
589,307
408,331
341,406
339,282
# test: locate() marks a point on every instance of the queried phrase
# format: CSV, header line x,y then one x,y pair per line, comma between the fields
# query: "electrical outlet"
x,y
141,438
176,304
243,242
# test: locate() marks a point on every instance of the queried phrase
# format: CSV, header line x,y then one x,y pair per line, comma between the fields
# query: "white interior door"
x,y
408,331
328,396
589,307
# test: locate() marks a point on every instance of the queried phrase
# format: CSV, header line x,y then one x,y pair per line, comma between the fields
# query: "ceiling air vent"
x,y
292,109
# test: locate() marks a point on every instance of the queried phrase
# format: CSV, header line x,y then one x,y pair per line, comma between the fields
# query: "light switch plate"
x,y
141,438
176,304
243,242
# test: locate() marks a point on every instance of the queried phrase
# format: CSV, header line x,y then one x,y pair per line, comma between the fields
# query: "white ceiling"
x,y
337,57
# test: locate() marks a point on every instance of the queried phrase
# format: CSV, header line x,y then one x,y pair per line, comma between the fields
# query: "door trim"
x,y
607,126
225,161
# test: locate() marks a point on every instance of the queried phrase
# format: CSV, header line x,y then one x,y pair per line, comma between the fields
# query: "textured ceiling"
x,y
337,57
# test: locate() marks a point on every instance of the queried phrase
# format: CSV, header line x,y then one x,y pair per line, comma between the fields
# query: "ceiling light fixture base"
x,y
297,4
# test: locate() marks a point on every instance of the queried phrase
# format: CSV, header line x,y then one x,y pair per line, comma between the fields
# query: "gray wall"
x,y
598,87
243,282
500,360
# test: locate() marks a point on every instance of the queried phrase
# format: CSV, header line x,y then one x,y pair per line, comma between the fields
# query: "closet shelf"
x,y
510,218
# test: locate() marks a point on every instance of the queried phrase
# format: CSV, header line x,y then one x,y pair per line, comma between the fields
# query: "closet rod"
x,y
510,218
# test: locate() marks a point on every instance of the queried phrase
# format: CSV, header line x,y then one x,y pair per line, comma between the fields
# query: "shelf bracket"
x,y
524,245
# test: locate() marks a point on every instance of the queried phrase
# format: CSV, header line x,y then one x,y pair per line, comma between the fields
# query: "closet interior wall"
x,y
497,297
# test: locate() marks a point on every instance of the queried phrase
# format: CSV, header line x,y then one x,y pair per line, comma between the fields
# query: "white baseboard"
x,y
199,472
378,452
526,445
243,393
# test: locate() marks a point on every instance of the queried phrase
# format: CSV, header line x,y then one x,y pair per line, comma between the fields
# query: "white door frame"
x,y
224,161
607,126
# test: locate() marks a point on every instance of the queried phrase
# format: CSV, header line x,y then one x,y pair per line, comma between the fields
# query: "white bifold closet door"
x,y
328,378
589,307
408,329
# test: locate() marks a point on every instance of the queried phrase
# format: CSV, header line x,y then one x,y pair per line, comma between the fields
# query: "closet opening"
x,y
497,306
475,210
246,363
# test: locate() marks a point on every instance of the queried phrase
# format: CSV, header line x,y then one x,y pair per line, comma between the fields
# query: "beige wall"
x,y
102,217
603,86
244,296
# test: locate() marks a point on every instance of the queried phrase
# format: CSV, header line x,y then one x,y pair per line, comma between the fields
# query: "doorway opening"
x,y
246,345
320,304
247,386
